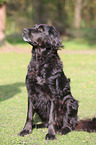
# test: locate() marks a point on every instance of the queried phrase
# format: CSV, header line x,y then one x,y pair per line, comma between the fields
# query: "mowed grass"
x,y
81,68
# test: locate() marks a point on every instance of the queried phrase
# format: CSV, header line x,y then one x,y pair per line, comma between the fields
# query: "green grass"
x,y
81,68
78,44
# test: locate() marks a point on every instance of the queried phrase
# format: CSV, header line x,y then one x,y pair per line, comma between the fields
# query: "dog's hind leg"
x,y
70,116
51,130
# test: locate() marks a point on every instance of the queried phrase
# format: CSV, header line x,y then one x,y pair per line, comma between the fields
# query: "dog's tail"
x,y
88,125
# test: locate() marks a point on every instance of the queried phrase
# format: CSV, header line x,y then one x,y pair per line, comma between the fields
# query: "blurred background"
x,y
72,18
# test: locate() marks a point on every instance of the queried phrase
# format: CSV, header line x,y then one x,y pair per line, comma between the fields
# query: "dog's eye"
x,y
40,29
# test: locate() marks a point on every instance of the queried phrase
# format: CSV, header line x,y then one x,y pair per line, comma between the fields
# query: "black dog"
x,y
49,93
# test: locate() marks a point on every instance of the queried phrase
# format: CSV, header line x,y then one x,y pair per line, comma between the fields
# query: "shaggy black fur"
x,y
49,93
88,125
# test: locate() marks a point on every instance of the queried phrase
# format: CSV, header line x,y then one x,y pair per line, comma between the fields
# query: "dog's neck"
x,y
43,54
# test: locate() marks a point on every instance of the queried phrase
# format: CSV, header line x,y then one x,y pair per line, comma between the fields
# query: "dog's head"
x,y
42,35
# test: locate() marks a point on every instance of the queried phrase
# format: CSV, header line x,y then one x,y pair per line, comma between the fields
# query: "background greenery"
x,y
73,19
60,13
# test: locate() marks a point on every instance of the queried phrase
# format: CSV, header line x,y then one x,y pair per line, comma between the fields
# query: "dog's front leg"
x,y
51,130
28,125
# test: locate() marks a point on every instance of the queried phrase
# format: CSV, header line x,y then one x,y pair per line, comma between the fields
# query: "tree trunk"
x,y
61,10
2,22
38,8
77,15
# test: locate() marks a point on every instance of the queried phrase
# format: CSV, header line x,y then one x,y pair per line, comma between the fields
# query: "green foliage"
x,y
60,13
81,68
2,1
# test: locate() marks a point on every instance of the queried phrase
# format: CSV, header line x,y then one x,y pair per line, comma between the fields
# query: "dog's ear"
x,y
54,38
58,42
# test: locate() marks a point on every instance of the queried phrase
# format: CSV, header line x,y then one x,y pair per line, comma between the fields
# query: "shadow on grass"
x,y
8,91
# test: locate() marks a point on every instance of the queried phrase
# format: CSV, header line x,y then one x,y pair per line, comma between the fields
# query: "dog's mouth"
x,y
34,43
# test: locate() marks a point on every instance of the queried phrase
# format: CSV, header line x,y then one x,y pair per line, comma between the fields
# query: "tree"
x,y
38,9
77,14
2,20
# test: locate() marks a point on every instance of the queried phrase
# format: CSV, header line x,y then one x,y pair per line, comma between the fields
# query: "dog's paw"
x,y
24,132
50,136
27,129
65,130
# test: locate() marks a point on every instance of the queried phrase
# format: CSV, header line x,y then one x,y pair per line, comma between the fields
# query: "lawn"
x,y
79,66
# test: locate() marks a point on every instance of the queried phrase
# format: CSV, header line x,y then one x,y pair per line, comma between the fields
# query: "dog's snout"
x,y
25,34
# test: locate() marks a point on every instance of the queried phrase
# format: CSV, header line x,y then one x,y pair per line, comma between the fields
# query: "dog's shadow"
x,y
10,90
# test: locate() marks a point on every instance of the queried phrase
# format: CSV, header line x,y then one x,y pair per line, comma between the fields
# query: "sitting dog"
x,y
49,93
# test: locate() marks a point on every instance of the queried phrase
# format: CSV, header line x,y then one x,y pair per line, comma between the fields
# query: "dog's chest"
x,y
37,72
42,75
